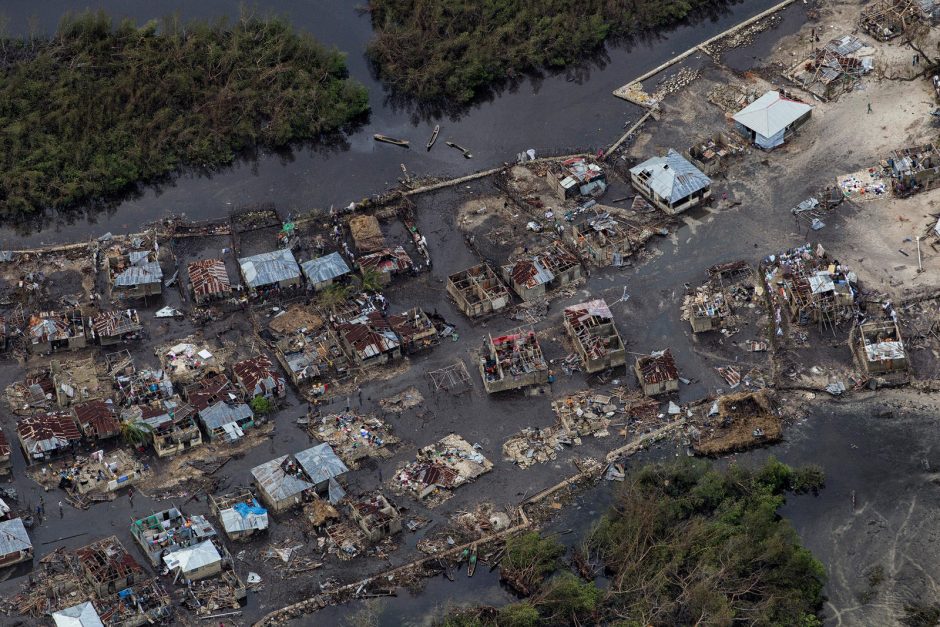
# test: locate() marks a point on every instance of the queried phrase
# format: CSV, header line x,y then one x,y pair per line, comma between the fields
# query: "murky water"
x,y
573,109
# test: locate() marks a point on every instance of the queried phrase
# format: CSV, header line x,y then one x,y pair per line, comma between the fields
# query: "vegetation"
x,y
371,280
683,544
261,406
333,296
135,433
435,50
529,559
99,106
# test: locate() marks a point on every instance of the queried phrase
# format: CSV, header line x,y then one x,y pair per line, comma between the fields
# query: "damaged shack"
x,y
812,287
15,545
835,68
657,373
170,425
291,480
376,516
240,514
671,183
47,435
600,239
736,422
415,330
879,347
257,377
49,331
169,530
369,340
512,361
269,273
532,275
590,325
386,263
134,274
442,466
115,327
912,170
209,280
478,291
98,419
576,177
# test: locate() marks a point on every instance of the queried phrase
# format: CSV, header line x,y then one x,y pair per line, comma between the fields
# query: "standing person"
x,y
61,510
869,107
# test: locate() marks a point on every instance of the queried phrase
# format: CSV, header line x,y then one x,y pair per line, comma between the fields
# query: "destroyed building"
x,y
576,177
136,274
601,240
185,362
75,381
257,377
240,514
98,419
6,462
209,280
671,183
308,358
226,421
135,387
444,465
290,480
100,473
209,391
170,424
376,516
591,327
354,437
657,373
512,361
912,170
812,287
270,272
415,330
108,567
115,326
736,422
478,291
707,308
386,262
532,275
711,154
169,530
771,119
835,68
886,19
322,271
880,347
45,436
15,545
49,331
369,340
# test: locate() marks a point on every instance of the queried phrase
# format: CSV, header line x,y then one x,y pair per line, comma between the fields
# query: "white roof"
x,y
193,558
81,615
771,113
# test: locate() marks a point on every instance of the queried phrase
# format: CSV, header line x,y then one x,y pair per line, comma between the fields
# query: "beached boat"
x,y
472,564
437,130
391,140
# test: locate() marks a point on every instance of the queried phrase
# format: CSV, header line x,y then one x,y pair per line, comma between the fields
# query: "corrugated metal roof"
x,y
81,615
193,557
244,518
258,376
671,177
209,277
280,485
47,432
321,463
771,113
214,416
269,268
13,537
142,274
846,45
119,322
325,268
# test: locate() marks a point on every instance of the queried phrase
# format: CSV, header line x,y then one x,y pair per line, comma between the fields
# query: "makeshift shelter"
x,y
322,271
168,531
115,326
240,514
770,119
195,562
671,183
226,421
209,280
15,545
576,177
366,233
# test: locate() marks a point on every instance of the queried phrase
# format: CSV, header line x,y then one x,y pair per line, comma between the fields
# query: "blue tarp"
x,y
244,509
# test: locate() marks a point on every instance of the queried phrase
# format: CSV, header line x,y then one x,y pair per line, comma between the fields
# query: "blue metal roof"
x,y
269,268
325,268
321,463
672,177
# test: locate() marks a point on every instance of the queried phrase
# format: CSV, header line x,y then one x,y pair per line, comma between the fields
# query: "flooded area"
x,y
555,114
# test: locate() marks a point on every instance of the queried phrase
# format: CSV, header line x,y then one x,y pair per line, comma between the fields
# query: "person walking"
x,y
869,107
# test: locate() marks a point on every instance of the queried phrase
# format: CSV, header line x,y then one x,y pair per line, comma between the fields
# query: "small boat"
x,y
390,140
472,564
449,572
463,556
466,153
437,130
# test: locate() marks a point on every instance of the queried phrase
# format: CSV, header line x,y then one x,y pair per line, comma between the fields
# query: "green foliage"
x,y
434,50
569,600
135,433
261,406
529,559
518,615
709,547
371,280
333,296
101,105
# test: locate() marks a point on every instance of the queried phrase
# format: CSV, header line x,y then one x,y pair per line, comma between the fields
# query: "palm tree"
x,y
371,280
333,296
135,433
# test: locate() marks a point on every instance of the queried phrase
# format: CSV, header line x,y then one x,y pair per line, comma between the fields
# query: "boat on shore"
x,y
472,564
404,143
437,130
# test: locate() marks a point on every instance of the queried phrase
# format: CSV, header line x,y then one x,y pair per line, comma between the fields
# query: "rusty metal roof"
x,y
97,418
370,336
658,367
258,376
46,432
209,277
115,322
388,260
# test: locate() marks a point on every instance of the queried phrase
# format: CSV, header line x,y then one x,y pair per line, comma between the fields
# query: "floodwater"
x,y
568,110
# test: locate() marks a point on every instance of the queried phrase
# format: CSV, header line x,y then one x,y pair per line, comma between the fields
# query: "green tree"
x,y
135,433
371,280
333,296
261,405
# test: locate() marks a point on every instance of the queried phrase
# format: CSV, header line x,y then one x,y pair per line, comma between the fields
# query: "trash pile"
x,y
442,467
405,399
735,422
585,413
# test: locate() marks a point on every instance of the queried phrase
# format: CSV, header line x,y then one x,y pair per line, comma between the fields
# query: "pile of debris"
x,y
354,437
586,413
442,467
406,399
736,422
